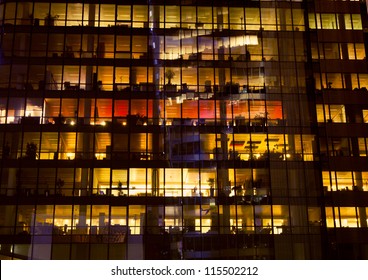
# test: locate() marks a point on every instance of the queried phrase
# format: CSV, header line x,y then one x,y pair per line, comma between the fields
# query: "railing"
x,y
137,120
242,195
129,22
175,156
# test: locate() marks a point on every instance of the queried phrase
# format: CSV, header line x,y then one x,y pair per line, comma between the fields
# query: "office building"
x,y
183,129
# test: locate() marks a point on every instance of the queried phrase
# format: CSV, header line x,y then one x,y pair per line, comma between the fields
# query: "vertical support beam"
x,y
224,187
85,176
154,55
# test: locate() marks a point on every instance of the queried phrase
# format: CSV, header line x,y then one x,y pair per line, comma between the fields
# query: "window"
x,y
312,21
347,20
362,147
331,51
365,116
172,16
329,21
75,13
140,16
123,13
357,22
252,18
360,51
236,18
268,16
337,113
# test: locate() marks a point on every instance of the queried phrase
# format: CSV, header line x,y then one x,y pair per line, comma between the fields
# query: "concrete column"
x,y
152,221
82,219
224,187
362,214
133,77
8,228
12,182
81,251
362,217
225,220
12,175
282,19
27,16
86,178
101,223
223,174
154,55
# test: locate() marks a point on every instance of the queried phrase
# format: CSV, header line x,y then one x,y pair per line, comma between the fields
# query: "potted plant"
x,y
59,120
59,184
231,88
31,151
50,19
142,120
169,74
261,118
211,184
137,119
120,186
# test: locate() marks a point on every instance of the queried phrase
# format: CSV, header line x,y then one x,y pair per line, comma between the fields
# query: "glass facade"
x,y
183,130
